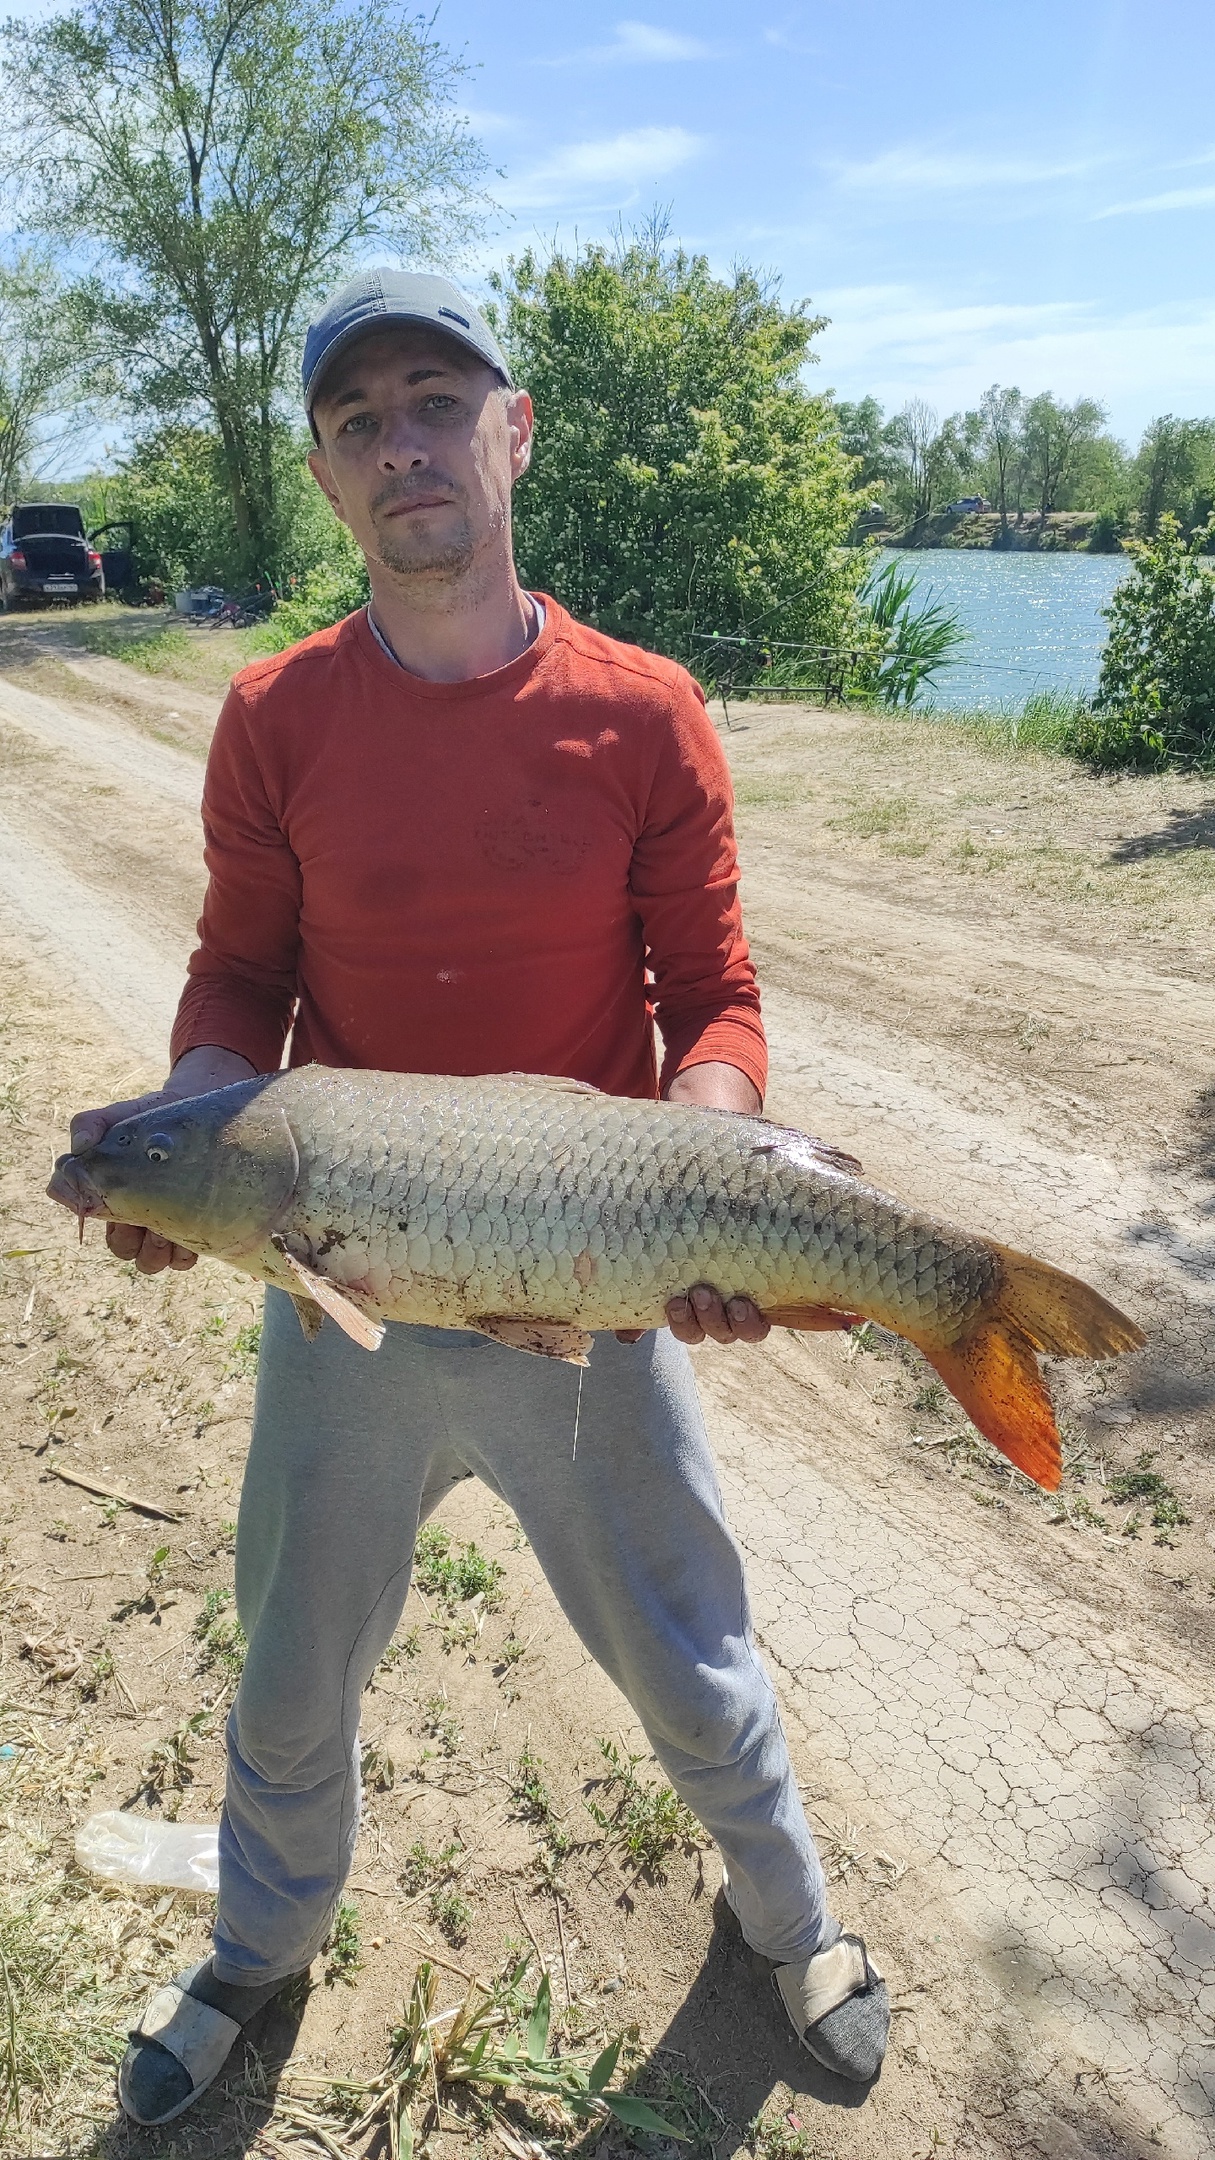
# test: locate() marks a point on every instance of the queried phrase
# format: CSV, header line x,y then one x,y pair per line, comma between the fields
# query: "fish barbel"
x,y
539,1210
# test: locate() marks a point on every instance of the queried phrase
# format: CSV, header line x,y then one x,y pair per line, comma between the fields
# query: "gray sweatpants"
x,y
350,1452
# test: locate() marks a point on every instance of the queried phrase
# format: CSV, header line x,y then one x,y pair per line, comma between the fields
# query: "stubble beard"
x,y
409,552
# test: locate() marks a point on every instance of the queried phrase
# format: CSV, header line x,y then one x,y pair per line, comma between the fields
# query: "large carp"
x,y
538,1210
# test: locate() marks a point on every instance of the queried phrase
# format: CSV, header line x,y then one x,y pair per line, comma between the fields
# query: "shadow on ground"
x,y
730,2037
1182,830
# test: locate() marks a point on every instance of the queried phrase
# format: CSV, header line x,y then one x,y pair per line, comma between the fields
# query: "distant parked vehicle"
x,y
44,555
966,505
117,543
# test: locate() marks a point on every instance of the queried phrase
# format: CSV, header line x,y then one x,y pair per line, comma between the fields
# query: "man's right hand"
x,y
194,1074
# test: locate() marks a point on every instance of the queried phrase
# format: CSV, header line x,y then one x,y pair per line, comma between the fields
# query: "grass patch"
x,y
63,1991
876,818
776,793
154,652
1050,722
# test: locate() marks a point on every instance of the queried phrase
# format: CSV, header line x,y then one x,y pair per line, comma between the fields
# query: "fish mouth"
x,y
73,1188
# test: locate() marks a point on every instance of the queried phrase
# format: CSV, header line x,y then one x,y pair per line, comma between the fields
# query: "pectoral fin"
x,y
319,1291
310,1317
545,1338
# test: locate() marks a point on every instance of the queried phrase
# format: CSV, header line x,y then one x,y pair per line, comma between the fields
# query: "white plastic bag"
x,y
126,1848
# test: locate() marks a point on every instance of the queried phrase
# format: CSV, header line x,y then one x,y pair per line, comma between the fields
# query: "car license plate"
x,y
60,584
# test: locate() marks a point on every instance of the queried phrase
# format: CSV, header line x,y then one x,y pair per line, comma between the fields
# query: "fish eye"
x,y
159,1148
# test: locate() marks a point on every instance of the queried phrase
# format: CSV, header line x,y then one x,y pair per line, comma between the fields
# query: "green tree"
x,y
684,480
1053,435
1174,470
867,437
221,160
1155,701
173,487
44,365
935,458
1000,412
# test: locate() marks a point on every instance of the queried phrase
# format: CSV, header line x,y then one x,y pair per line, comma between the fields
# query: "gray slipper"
x,y
179,2041
837,2002
839,2008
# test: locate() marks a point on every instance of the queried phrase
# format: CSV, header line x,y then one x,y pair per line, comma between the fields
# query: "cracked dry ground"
x,y
988,978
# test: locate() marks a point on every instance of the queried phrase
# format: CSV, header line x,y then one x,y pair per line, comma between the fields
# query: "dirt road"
x,y
1002,1709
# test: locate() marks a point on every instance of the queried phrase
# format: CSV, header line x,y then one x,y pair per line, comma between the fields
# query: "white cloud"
x,y
617,164
637,42
1194,198
917,170
899,343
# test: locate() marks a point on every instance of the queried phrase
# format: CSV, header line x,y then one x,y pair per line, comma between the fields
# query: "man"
x,y
451,835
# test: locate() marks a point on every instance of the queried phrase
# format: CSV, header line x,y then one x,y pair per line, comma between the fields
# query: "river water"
x,y
1034,621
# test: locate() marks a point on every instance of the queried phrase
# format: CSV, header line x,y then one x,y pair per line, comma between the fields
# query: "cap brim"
x,y
392,320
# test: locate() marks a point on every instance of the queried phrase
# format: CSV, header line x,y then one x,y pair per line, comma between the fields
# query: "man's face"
x,y
420,446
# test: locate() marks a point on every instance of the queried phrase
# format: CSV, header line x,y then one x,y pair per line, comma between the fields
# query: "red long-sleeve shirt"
x,y
472,877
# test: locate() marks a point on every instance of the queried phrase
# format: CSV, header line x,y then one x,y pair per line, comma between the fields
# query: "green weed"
x,y
931,1398
455,1573
245,1347
343,1952
402,1646
1144,1483
96,1675
451,1912
443,1725
423,1868
170,1766
377,1768
496,2043
222,1642
646,1821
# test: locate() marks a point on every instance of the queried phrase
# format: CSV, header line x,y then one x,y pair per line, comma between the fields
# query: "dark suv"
x,y
44,555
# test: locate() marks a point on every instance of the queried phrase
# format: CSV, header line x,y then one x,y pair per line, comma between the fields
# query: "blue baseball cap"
x,y
375,299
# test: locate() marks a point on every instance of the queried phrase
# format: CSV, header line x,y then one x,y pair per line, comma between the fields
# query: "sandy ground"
x,y
987,977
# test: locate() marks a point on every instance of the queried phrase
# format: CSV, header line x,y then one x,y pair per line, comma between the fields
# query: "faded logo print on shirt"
x,y
534,838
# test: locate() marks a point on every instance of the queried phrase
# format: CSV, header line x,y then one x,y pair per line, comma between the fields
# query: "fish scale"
x,y
542,1212
527,1199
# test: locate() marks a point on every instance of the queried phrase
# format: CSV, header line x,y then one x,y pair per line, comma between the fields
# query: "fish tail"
x,y
1059,1314
994,1374
993,1370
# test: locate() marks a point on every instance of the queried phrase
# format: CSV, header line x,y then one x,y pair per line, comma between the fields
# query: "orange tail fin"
x,y
994,1373
1060,1314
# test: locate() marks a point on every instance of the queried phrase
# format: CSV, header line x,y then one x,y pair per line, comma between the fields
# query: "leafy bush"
x,y
323,596
1155,701
1109,529
174,488
683,479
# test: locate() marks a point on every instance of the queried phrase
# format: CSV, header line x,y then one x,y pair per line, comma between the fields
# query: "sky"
x,y
973,193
